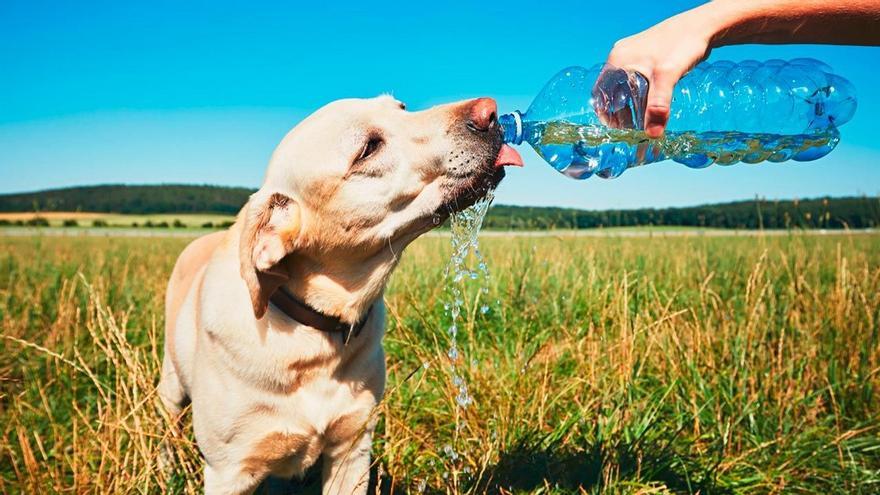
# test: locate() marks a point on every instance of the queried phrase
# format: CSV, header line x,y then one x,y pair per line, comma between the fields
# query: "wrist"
x,y
708,20
720,20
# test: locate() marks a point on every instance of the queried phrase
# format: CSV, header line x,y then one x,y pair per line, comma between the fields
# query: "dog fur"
x,y
345,191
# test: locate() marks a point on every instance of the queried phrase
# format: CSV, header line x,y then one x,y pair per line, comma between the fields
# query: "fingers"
x,y
612,98
662,53
600,98
662,84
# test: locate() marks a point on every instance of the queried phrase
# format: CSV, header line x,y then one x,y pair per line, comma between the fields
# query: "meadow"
x,y
708,365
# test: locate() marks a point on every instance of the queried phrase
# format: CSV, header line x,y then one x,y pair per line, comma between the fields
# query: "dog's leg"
x,y
174,398
229,481
170,389
346,469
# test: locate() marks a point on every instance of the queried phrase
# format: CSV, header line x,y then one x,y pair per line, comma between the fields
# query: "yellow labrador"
x,y
274,327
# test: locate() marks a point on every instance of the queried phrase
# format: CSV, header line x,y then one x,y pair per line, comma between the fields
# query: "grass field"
x,y
609,365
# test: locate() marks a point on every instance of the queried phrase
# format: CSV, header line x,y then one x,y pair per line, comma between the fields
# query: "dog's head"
x,y
359,177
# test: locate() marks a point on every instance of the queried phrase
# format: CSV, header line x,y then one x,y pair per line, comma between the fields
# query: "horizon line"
x,y
221,186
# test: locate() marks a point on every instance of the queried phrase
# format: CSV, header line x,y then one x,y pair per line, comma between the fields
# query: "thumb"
x,y
659,101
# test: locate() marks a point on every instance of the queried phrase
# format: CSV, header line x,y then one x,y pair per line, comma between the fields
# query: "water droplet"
x,y
450,453
453,353
426,365
484,309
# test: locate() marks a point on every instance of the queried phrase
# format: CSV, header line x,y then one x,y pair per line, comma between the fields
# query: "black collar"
x,y
307,315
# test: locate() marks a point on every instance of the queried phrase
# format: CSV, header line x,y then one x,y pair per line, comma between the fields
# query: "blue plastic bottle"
x,y
589,121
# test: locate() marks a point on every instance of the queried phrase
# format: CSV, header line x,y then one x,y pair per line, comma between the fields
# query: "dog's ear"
x,y
270,233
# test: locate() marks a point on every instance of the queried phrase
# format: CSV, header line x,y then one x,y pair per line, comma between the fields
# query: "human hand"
x,y
663,53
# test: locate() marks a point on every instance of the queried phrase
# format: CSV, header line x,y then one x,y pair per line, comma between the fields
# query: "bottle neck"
x,y
512,125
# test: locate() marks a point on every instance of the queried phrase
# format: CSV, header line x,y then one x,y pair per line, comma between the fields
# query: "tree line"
x,y
820,213
142,199
828,213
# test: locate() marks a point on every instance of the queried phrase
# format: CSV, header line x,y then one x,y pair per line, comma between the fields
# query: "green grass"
x,y
608,365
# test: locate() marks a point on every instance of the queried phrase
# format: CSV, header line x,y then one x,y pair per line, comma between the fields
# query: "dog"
x,y
274,327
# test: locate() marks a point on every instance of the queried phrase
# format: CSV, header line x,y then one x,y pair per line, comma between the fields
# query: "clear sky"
x,y
201,92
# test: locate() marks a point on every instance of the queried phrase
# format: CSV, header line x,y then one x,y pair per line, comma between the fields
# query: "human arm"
x,y
666,51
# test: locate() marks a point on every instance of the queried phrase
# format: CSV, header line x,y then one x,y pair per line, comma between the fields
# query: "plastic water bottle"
x,y
589,121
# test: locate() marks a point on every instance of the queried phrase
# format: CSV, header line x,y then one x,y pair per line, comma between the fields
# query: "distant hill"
x,y
829,213
118,198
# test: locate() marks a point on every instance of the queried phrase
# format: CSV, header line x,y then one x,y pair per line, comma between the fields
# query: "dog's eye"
x,y
373,144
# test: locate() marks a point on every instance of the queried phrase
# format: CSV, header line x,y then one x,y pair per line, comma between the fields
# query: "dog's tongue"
x,y
508,157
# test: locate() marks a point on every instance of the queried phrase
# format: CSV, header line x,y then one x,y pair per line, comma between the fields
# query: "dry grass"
x,y
695,365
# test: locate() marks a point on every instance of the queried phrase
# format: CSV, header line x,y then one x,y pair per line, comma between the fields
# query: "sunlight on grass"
x,y
607,365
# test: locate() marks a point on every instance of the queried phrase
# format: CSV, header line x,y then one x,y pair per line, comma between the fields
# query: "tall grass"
x,y
606,365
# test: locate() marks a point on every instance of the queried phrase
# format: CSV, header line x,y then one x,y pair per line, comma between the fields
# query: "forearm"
x,y
665,51
731,22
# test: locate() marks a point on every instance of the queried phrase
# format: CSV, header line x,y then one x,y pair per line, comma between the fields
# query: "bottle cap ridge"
x,y
513,127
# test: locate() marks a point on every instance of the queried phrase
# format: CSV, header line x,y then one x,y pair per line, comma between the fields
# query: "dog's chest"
x,y
289,394
292,432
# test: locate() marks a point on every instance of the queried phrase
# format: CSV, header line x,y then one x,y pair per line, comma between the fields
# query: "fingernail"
x,y
655,122
654,130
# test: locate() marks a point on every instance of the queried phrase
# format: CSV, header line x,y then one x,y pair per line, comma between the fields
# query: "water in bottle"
x,y
589,121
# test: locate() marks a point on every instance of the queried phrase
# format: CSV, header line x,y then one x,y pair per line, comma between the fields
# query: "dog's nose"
x,y
483,115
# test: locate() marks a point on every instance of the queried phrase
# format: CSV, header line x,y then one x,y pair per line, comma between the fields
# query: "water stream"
x,y
466,265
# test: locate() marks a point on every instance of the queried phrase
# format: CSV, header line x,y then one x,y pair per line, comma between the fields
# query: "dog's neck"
x,y
343,289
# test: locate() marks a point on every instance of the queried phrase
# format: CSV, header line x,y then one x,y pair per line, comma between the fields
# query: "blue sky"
x,y
201,92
